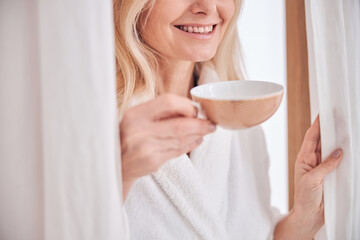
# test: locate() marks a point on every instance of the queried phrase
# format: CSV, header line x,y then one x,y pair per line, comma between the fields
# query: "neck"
x,y
175,77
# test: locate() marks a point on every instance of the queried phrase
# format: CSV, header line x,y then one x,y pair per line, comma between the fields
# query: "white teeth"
x,y
197,29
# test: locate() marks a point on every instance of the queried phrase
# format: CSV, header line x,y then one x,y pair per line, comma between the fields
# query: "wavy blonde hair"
x,y
136,61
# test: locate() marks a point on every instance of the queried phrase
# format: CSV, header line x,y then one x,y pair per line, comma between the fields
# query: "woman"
x,y
179,183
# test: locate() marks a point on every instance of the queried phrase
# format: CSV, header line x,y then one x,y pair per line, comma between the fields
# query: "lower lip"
x,y
199,36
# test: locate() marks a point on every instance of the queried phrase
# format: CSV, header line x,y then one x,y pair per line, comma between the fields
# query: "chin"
x,y
201,56
202,59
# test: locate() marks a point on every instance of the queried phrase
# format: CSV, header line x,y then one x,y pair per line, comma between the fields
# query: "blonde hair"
x,y
135,60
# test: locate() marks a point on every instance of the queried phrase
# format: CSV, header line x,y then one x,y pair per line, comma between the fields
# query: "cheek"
x,y
226,10
154,34
157,32
229,9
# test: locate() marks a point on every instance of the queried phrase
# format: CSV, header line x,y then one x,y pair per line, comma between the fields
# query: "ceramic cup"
x,y
238,104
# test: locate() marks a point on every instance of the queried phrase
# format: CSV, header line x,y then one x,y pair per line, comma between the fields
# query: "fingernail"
x,y
212,127
336,153
199,141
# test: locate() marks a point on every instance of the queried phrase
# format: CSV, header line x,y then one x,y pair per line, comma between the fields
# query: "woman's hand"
x,y
156,131
309,175
307,215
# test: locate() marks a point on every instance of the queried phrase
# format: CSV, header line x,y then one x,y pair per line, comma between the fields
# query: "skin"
x,y
140,140
307,215
166,127
156,131
179,51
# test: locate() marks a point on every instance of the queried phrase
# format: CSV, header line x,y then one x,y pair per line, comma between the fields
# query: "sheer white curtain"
x,y
333,30
59,151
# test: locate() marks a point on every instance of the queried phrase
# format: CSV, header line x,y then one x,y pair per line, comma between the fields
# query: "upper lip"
x,y
195,24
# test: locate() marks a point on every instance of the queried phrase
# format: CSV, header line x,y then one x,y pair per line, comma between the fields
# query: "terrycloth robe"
x,y
221,191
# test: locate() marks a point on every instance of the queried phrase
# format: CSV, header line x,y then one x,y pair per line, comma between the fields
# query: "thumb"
x,y
328,165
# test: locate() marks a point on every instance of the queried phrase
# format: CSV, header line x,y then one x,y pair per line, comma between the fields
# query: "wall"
x,y
262,32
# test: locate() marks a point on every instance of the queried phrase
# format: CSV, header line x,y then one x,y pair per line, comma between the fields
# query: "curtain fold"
x,y
60,175
333,32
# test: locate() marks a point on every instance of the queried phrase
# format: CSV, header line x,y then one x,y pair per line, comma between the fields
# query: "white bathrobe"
x,y
221,191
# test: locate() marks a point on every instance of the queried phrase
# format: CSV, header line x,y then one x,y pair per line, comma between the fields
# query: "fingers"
x,y
158,130
181,127
172,153
180,135
312,138
318,147
327,166
170,105
177,143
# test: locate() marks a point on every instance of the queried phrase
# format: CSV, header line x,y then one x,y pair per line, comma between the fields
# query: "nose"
x,y
205,7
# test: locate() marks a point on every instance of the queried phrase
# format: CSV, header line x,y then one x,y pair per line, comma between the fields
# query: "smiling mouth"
x,y
197,29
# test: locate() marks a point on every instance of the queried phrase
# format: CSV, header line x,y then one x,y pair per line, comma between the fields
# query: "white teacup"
x,y
238,104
